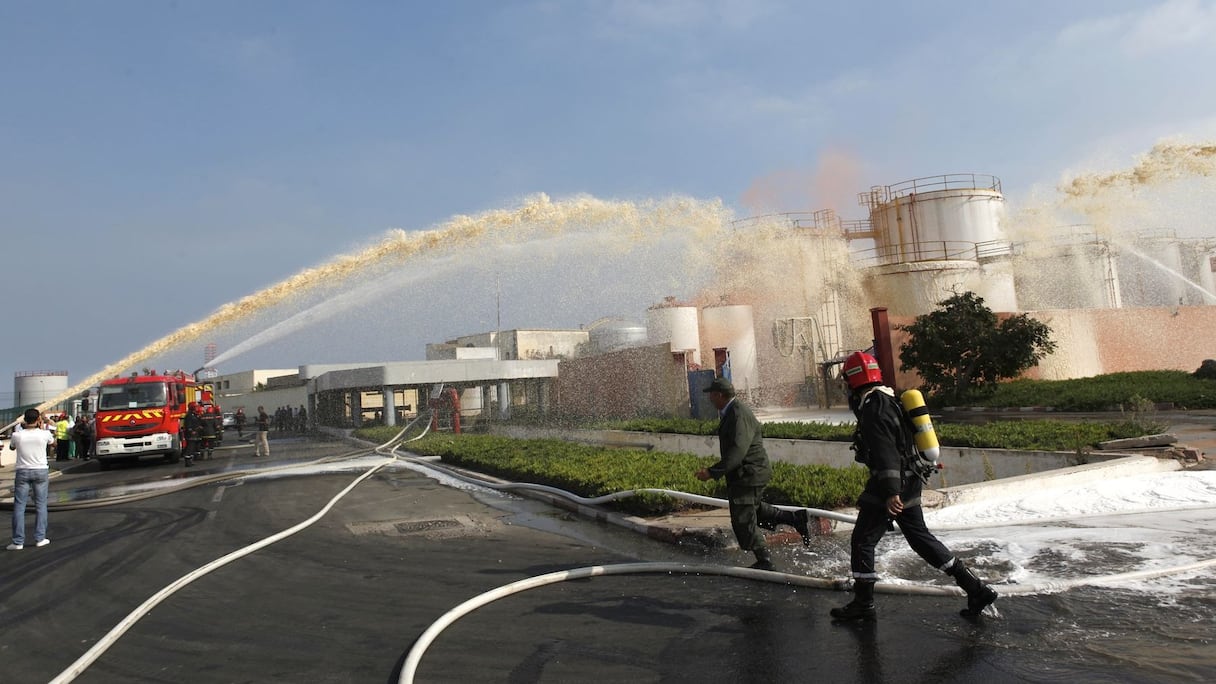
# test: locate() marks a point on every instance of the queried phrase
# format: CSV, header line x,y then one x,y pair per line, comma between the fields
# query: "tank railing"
x,y
933,250
824,219
857,228
949,181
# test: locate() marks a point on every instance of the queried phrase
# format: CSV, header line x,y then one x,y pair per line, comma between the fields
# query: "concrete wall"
x,y
1128,339
1097,341
645,381
962,465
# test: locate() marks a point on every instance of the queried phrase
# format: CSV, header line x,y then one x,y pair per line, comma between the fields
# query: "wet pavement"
x,y
343,600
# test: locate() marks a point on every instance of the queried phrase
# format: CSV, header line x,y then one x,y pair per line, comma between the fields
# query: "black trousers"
x,y
872,525
62,449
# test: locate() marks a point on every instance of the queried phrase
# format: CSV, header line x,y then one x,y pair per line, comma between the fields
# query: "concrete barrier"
x,y
962,465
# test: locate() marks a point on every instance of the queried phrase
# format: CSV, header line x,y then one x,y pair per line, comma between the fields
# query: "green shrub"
x,y
1045,435
595,471
1105,392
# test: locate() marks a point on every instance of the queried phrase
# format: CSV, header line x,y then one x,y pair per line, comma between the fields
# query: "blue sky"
x,y
239,142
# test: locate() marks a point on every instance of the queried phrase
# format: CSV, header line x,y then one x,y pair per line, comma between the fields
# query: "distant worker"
x,y
63,438
31,474
239,419
209,419
193,426
262,443
82,434
744,464
885,445
302,419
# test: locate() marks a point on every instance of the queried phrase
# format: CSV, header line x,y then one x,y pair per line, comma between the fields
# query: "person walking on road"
x,y
262,443
744,464
31,474
893,492
239,419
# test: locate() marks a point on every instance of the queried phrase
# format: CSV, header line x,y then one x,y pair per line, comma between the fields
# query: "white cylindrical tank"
x,y
676,324
733,326
617,335
470,401
35,387
941,218
1151,272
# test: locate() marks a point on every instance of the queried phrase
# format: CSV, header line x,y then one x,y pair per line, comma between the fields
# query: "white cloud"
x,y
1159,28
666,14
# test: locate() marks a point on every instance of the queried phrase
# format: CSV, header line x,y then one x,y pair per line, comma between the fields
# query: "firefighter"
x,y
884,444
193,425
210,419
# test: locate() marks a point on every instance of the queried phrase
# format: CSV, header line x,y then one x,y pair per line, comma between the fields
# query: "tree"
x,y
962,347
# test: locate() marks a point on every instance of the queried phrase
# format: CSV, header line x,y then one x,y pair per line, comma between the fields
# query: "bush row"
x,y
1105,392
595,471
1046,435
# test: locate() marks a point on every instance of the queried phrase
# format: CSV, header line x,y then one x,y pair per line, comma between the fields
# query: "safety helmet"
x,y
861,369
193,407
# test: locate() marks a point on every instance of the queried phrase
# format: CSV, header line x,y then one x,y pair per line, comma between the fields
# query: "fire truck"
x,y
140,416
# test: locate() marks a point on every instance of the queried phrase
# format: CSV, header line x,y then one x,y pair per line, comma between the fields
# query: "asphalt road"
x,y
344,600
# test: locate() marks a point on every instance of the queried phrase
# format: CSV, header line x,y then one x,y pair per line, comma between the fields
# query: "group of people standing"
x,y
287,419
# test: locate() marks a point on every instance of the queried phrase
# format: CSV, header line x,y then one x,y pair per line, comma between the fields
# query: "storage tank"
x,y
1151,271
35,387
1197,266
950,217
616,335
677,324
733,326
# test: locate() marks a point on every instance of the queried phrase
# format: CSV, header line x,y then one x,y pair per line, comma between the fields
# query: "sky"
x,y
161,159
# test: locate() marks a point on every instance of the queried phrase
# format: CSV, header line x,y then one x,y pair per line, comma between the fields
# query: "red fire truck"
x,y
141,415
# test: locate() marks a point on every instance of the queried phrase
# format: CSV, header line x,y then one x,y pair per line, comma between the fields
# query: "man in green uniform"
x,y
744,464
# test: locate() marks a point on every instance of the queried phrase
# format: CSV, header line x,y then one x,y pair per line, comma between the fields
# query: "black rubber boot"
x,y
799,520
979,595
764,561
862,605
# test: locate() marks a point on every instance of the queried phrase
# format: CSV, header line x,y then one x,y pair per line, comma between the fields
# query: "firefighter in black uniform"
x,y
882,442
210,420
193,425
744,464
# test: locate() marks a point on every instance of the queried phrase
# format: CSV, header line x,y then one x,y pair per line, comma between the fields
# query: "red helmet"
x,y
193,407
861,369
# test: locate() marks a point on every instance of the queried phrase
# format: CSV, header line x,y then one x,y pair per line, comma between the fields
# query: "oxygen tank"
x,y
926,438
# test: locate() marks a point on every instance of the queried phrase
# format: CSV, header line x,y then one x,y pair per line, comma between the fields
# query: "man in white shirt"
x,y
32,473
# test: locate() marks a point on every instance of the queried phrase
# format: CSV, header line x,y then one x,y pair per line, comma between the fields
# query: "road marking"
x,y
219,495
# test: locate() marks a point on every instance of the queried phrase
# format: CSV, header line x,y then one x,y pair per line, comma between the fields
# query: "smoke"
x,y
832,184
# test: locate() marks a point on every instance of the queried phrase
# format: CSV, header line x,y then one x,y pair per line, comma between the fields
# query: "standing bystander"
x,y
63,439
31,474
82,434
262,444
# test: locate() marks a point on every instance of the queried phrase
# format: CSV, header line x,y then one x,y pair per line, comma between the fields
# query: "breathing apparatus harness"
x,y
913,461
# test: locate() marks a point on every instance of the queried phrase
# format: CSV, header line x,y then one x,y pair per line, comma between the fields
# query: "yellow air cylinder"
x,y
926,438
